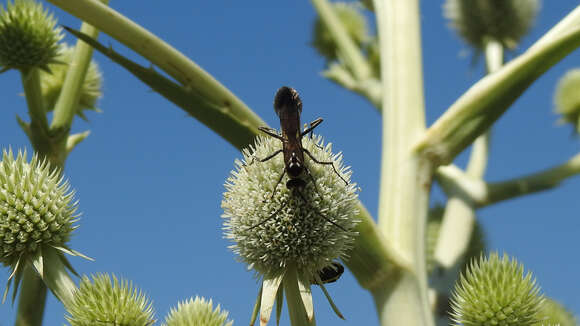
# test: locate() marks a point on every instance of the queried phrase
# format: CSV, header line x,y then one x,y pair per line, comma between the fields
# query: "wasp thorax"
x,y
273,226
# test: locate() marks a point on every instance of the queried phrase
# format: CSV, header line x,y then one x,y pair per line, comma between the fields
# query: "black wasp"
x,y
288,107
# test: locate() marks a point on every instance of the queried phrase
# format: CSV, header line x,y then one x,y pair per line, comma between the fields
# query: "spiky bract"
x,y
567,98
52,81
28,36
505,21
36,208
353,21
495,291
108,301
198,311
297,235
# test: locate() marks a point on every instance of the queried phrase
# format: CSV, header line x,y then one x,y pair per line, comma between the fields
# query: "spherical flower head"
x,y
553,313
274,227
495,291
36,208
197,311
353,21
505,21
28,36
106,301
567,98
51,82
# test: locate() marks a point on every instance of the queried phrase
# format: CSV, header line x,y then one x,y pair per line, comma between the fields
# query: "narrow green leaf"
x,y
306,295
279,304
334,307
217,116
256,306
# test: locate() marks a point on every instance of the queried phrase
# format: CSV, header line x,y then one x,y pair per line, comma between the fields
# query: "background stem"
x,y
31,299
405,177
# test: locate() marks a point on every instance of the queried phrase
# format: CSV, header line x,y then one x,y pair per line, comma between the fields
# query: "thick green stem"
x,y
298,316
31,300
405,177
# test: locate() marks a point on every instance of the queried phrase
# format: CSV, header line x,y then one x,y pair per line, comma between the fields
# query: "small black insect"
x,y
330,274
288,107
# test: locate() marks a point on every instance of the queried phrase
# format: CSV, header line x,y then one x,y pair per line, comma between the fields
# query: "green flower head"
x,y
553,313
52,81
106,301
197,311
36,208
495,291
28,36
353,21
505,21
567,98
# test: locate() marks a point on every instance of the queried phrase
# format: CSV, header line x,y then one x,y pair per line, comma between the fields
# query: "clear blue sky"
x,y
150,179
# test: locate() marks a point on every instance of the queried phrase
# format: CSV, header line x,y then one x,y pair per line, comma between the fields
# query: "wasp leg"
x,y
313,182
271,132
319,213
326,163
269,217
264,159
313,125
276,186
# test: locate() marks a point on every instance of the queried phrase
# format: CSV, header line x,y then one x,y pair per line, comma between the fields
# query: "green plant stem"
x,y
161,54
478,108
31,299
405,177
298,316
38,128
369,88
455,181
68,100
459,217
351,53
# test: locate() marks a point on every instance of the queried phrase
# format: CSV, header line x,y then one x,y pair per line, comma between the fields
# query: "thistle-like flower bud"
x,y
553,313
353,21
36,208
273,227
197,311
28,36
103,301
495,291
505,21
567,98
51,82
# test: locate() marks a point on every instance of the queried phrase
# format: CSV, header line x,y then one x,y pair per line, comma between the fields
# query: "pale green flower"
x,y
28,36
106,301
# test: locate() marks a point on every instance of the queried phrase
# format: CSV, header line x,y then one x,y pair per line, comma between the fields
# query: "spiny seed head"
x,y
36,207
505,21
28,35
106,301
51,82
198,311
353,21
553,313
567,98
495,291
296,234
